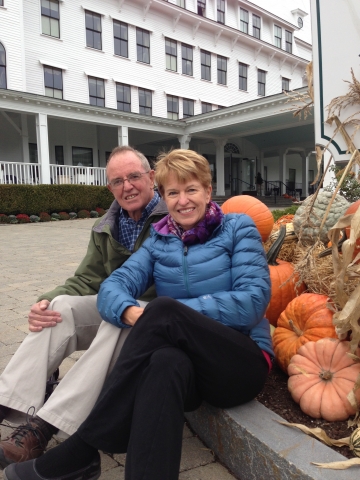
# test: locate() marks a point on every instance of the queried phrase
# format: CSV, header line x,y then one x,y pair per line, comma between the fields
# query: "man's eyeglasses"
x,y
131,178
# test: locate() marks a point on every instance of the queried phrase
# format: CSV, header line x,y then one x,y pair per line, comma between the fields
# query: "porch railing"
x,y
14,173
61,174
30,174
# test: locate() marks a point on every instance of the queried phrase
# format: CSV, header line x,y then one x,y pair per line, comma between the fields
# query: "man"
x,y
66,319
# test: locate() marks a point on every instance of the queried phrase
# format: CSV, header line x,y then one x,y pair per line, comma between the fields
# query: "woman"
x,y
203,338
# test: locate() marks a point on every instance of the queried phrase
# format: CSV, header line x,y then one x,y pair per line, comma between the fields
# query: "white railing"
x,y
61,174
30,174
11,172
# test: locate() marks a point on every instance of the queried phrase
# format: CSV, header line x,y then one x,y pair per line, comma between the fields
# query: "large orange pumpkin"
x,y
284,281
321,377
305,319
257,210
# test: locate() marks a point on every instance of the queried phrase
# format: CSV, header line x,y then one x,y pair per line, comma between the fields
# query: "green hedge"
x,y
33,199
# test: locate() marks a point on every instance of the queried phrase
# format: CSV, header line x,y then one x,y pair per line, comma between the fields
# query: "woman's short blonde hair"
x,y
185,164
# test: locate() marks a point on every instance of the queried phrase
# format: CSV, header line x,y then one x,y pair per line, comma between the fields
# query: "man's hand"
x,y
131,315
40,317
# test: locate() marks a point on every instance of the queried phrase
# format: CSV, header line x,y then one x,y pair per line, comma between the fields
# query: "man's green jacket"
x,y
104,255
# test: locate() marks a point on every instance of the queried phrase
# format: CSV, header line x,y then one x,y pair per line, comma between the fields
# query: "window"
x,y
2,66
285,84
187,59
221,69
256,26
143,45
53,82
244,20
97,91
50,18
1,3
59,155
82,156
33,153
188,108
205,65
123,96
206,107
171,54
93,30
172,107
201,6
261,82
221,11
121,39
288,41
277,36
145,102
243,76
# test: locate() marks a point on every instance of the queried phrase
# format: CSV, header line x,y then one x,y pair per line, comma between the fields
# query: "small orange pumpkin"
x,y
257,210
305,319
321,377
284,281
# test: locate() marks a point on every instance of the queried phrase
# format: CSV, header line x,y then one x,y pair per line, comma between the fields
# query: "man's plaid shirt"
x,y
129,230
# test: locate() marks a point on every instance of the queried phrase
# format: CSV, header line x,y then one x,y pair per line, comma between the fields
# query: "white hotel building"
x,y
78,77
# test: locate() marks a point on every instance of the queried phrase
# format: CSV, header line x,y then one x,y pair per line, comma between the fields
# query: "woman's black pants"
x,y
173,359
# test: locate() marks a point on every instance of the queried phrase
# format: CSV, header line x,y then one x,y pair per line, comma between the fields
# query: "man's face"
x,y
132,197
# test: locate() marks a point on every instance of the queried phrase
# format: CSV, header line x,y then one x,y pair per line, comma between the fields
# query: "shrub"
x,y
350,188
72,215
100,211
44,217
33,199
83,214
55,217
23,218
34,218
94,214
4,218
13,219
287,211
64,216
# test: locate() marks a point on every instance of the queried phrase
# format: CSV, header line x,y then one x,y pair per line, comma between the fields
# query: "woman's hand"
x,y
131,315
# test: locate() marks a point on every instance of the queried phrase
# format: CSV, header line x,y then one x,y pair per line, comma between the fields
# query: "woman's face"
x,y
186,201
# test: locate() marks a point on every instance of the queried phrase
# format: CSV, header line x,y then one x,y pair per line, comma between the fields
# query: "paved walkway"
x,y
34,259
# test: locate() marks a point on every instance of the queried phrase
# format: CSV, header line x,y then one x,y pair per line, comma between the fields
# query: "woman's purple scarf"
x,y
202,231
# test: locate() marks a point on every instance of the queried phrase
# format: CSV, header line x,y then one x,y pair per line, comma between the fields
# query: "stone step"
x,y
252,444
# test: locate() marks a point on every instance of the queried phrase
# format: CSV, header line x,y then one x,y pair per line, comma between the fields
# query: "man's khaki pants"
x,y
23,382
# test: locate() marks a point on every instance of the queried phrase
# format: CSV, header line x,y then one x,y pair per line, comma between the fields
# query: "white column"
x,y
42,136
282,169
305,174
184,141
123,136
220,167
329,177
25,138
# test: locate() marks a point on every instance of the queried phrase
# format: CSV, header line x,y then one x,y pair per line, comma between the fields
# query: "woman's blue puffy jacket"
x,y
226,278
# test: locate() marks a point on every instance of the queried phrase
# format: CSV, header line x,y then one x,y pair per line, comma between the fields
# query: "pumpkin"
x,y
284,281
257,210
305,319
321,377
352,209
283,220
307,227
354,442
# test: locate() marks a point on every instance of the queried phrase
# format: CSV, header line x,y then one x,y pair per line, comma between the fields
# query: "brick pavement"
x,y
34,259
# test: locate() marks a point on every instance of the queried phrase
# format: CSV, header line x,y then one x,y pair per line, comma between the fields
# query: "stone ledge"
x,y
249,441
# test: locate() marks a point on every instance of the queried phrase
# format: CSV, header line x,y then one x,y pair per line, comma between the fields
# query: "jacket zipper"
x,y
185,269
